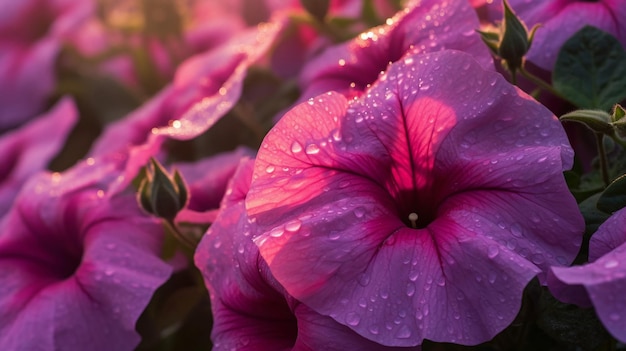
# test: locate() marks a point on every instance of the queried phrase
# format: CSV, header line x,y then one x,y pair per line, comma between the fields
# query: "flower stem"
x,y
540,82
172,228
603,161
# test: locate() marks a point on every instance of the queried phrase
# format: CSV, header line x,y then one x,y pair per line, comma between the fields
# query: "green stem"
x,y
603,161
171,226
540,82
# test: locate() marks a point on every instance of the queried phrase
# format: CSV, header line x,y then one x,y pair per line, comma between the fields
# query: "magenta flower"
x,y
28,150
602,282
560,20
78,264
420,210
251,310
423,26
207,181
31,34
204,89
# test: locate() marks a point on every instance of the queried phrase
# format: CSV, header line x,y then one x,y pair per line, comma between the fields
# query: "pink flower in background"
x,y
423,26
420,210
559,21
78,264
207,181
29,149
602,282
251,310
204,89
31,34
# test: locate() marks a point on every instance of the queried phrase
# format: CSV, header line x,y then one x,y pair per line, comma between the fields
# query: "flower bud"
x,y
161,194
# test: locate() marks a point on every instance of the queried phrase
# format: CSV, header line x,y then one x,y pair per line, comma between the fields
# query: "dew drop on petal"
x,y
293,226
353,319
492,251
270,169
312,149
277,232
359,212
611,264
296,147
403,333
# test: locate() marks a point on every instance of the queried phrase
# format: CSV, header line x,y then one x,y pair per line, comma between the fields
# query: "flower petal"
x,y
476,159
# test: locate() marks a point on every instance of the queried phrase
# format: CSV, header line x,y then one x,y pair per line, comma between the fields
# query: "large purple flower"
x,y
423,26
420,210
251,310
28,150
78,264
31,34
602,282
560,20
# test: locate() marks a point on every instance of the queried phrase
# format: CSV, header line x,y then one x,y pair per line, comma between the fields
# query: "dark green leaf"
x,y
614,196
590,70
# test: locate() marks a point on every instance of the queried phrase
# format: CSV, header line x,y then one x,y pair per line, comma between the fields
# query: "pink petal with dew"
x,y
77,266
251,309
602,282
205,88
29,149
335,184
423,26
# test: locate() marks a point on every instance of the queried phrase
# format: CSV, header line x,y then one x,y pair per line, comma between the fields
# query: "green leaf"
x,y
590,70
614,196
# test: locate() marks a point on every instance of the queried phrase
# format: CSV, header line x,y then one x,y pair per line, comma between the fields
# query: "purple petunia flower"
x,y
31,34
602,282
420,210
423,26
204,89
28,150
78,264
560,20
251,310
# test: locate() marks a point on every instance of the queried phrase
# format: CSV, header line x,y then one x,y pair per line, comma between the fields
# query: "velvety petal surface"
x,y
476,159
602,282
423,26
28,150
251,310
76,265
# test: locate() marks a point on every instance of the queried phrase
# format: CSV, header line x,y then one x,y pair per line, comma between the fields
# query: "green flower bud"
x,y
161,194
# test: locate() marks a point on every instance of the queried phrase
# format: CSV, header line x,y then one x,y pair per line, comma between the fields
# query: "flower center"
x,y
413,219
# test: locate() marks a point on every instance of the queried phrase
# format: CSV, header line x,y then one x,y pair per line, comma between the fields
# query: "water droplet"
x,y
277,232
364,279
353,319
270,169
611,263
108,272
493,251
537,258
312,149
516,230
296,147
410,289
359,212
492,277
373,329
293,226
404,332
